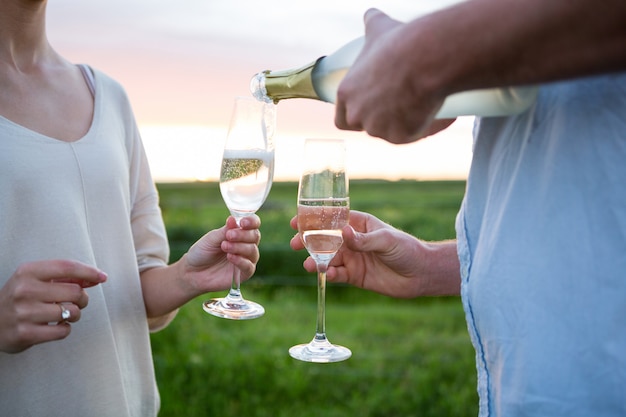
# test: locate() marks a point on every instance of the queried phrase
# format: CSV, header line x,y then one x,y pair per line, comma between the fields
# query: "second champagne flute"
x,y
245,181
323,210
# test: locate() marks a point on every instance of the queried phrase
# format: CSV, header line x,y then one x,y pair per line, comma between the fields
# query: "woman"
x,y
79,223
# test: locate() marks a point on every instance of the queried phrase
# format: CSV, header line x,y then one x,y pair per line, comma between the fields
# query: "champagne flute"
x,y
245,181
323,210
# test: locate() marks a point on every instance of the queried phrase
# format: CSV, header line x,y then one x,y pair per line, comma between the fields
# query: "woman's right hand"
x,y
33,300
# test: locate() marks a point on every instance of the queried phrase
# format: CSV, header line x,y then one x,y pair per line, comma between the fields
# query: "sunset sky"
x,y
182,63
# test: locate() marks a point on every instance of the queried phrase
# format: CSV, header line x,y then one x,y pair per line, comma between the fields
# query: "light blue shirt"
x,y
542,243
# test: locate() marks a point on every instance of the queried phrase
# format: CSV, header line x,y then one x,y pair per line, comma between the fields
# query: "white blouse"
x,y
94,201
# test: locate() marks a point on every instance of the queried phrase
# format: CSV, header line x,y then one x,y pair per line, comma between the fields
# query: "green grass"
x,y
410,357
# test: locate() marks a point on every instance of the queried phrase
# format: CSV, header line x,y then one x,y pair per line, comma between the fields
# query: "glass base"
x,y
320,351
234,310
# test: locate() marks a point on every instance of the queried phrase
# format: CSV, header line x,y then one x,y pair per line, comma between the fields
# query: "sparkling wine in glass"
x,y
245,181
323,210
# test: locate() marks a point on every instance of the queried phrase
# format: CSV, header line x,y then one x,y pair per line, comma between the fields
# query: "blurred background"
x,y
183,62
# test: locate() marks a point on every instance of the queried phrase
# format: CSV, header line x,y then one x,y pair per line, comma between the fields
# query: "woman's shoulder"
x,y
100,78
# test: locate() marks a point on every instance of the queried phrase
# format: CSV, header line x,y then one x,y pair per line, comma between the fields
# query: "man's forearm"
x,y
489,43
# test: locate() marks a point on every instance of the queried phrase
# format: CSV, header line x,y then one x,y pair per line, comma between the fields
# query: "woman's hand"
x,y
37,296
206,267
210,261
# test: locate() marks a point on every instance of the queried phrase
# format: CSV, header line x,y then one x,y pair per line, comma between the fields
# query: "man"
x,y
540,256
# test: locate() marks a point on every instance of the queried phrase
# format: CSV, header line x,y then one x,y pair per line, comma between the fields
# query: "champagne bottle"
x,y
320,79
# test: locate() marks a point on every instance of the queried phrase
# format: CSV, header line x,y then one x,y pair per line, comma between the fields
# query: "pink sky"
x,y
182,63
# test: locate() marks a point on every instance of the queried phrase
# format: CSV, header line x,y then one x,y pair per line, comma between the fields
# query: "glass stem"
x,y
234,295
320,331
235,287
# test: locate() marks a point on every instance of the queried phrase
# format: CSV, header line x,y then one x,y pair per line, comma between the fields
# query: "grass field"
x,y
410,357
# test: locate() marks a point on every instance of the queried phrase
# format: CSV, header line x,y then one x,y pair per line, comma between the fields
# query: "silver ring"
x,y
65,313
